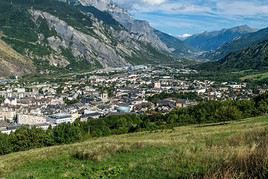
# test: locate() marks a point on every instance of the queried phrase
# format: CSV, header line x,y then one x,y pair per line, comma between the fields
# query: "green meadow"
x,y
220,150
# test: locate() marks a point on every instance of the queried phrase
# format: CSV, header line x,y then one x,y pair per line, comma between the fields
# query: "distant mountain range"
x,y
247,51
209,41
253,58
245,41
81,35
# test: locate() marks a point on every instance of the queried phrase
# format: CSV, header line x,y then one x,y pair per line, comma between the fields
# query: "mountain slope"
x,y
176,46
58,35
141,29
254,57
13,63
209,41
243,42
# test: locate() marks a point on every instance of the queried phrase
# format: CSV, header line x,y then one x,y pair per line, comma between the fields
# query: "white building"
x,y
11,101
31,119
60,118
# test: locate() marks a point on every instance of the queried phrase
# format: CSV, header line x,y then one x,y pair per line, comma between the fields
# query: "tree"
x,y
66,133
2,99
25,138
5,145
262,107
227,113
247,106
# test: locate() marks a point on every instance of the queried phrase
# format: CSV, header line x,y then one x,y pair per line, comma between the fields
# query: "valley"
x,y
133,89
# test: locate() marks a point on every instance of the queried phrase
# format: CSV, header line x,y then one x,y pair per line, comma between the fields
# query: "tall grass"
x,y
105,151
252,159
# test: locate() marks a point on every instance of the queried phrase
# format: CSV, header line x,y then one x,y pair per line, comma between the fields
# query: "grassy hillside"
x,y
255,77
237,149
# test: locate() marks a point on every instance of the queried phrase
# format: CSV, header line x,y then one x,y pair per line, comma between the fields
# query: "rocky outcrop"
x,y
141,29
13,63
82,45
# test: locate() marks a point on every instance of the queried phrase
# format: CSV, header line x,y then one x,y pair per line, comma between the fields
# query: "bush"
x,y
5,145
66,133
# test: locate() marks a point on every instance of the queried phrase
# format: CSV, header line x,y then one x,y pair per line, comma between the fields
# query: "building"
x,y
60,118
104,97
92,115
31,119
157,85
123,108
7,115
11,101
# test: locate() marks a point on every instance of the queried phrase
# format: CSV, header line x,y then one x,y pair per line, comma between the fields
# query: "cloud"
x,y
191,16
242,8
184,36
212,7
154,2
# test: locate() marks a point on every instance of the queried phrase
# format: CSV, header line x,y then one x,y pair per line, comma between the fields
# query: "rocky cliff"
x,y
71,36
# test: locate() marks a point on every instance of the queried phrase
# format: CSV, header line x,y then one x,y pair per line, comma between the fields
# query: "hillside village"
x,y
112,91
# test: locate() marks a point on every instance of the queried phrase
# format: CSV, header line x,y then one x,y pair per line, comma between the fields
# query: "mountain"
x,y
209,41
54,35
12,63
176,45
245,41
142,29
254,57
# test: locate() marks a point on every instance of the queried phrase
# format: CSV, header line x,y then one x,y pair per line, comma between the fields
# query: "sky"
x,y
182,17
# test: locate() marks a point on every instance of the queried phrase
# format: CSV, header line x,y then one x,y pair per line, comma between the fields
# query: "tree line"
x,y
26,138
191,96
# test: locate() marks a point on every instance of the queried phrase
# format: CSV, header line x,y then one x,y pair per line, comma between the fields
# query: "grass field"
x,y
256,77
233,150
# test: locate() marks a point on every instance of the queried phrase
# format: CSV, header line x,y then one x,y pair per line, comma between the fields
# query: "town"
x,y
104,92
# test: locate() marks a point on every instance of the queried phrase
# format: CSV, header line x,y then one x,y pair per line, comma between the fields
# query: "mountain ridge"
x,y
209,41
243,42
56,35
253,58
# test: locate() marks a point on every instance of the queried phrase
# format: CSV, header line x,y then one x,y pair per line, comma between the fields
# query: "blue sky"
x,y
178,17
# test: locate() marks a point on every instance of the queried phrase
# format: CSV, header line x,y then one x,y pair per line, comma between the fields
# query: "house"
x,y
143,107
166,105
7,115
104,97
3,125
182,103
11,101
157,85
92,115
